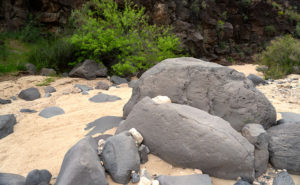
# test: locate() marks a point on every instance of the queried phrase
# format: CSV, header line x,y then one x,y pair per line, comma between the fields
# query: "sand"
x,y
39,143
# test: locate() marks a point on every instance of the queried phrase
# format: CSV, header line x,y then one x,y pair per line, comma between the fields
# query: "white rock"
x,y
137,136
144,181
162,99
155,182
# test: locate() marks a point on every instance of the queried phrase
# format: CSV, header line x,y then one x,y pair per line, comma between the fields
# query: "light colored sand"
x,y
39,143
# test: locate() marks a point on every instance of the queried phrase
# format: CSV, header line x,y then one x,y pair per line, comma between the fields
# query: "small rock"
x,y
102,86
83,87
13,98
135,177
30,94
118,80
144,181
28,111
100,98
51,112
49,89
162,99
47,72
65,74
7,123
84,93
144,151
47,95
283,178
37,177
3,102
256,79
262,68
101,143
137,136
30,68
144,173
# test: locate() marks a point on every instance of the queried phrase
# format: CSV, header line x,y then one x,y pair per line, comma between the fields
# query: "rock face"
x,y
30,94
218,90
36,177
11,179
191,138
257,136
283,178
120,157
284,147
51,111
81,165
7,123
89,69
187,179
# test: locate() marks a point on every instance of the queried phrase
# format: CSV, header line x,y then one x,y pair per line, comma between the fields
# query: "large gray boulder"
x,y
81,165
89,69
191,138
218,90
184,180
30,94
284,146
258,136
11,179
120,157
7,123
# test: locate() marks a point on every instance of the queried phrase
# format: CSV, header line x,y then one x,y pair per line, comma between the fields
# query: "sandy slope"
x,y
40,143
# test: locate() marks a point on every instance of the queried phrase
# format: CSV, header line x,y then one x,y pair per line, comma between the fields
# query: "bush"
x,y
53,54
121,38
281,57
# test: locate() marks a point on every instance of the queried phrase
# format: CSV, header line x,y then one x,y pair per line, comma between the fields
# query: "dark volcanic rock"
x,y
89,69
284,147
118,80
11,179
120,157
218,90
51,111
2,101
102,86
257,136
100,98
256,80
49,89
30,94
36,177
28,111
81,165
184,180
191,138
283,178
7,123
103,124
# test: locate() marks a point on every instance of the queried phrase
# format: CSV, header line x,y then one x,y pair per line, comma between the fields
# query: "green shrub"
x,y
53,54
121,38
297,30
281,56
270,30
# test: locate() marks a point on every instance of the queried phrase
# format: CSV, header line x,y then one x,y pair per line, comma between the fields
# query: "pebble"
x,y
137,136
135,177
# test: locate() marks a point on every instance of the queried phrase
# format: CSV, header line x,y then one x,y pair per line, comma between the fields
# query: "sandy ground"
x,y
39,143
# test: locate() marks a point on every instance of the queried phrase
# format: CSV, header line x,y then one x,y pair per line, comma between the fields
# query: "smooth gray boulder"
x,y
191,138
51,112
30,94
284,147
120,157
47,72
101,98
37,177
185,180
3,102
118,80
283,178
89,70
102,86
49,89
11,179
256,79
81,165
216,89
257,135
7,123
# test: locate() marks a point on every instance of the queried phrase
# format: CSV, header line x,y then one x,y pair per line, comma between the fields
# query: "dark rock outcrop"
x,y
218,90
30,94
7,123
81,165
120,157
191,138
89,69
